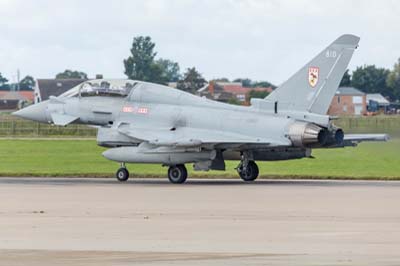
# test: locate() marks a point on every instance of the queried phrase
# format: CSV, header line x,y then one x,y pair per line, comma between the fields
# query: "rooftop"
x,y
349,91
377,97
56,87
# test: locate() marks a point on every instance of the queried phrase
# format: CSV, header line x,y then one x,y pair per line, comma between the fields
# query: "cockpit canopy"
x,y
102,87
105,88
136,91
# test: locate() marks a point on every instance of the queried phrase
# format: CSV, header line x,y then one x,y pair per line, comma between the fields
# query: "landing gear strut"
x,y
177,174
247,169
122,173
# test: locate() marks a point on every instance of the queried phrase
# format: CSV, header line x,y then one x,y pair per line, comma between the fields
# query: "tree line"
x,y
372,79
27,83
143,64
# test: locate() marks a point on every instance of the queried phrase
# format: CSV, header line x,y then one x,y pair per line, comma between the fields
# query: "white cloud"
x,y
259,39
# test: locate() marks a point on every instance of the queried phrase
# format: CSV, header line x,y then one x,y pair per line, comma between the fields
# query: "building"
x,y
44,88
13,100
173,84
226,91
377,103
348,101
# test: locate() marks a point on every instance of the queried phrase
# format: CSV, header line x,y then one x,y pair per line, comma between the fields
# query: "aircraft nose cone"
x,y
36,112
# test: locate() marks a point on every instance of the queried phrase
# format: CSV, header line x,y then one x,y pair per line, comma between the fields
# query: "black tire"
x,y
122,174
251,172
177,174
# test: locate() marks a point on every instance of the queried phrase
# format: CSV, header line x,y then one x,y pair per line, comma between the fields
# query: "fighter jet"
x,y
142,122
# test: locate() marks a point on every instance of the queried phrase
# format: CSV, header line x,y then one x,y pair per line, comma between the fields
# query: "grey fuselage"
x,y
151,106
158,106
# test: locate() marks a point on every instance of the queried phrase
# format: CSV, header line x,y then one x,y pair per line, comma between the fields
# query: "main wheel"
x,y
177,174
250,173
122,174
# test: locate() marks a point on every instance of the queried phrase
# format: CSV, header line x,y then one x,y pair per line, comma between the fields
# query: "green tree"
x,y
157,74
170,70
140,65
248,83
3,83
346,80
234,101
221,80
371,79
27,83
263,84
71,74
245,82
393,81
257,94
192,81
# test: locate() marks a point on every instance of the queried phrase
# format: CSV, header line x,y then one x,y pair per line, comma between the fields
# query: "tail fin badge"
x,y
313,74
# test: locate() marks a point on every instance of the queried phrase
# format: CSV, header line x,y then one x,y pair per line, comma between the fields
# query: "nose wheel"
x,y
177,174
122,173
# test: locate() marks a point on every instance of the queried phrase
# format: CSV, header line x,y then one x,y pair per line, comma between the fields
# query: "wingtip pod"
x,y
356,138
347,39
386,137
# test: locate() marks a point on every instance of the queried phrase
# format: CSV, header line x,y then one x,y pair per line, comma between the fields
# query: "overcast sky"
x,y
259,39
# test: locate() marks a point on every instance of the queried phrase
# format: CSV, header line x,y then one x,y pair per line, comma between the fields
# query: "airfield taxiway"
x,y
59,221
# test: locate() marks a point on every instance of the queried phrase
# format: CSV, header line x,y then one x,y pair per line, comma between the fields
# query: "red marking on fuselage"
x,y
127,109
136,110
143,110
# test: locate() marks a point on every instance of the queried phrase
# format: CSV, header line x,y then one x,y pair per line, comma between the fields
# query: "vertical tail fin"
x,y
312,88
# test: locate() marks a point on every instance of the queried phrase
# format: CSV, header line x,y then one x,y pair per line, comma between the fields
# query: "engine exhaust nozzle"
x,y
307,135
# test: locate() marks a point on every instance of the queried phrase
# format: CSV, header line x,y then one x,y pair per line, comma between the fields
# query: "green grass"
x,y
83,158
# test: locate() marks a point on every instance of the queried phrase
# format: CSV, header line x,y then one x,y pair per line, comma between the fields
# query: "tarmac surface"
x,y
59,221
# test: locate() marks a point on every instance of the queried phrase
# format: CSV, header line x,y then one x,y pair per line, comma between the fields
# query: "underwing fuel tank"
x,y
167,156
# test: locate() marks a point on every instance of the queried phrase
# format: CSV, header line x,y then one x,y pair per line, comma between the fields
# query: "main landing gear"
x,y
247,169
177,174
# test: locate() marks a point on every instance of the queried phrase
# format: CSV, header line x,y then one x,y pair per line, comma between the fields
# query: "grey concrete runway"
x,y
204,222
